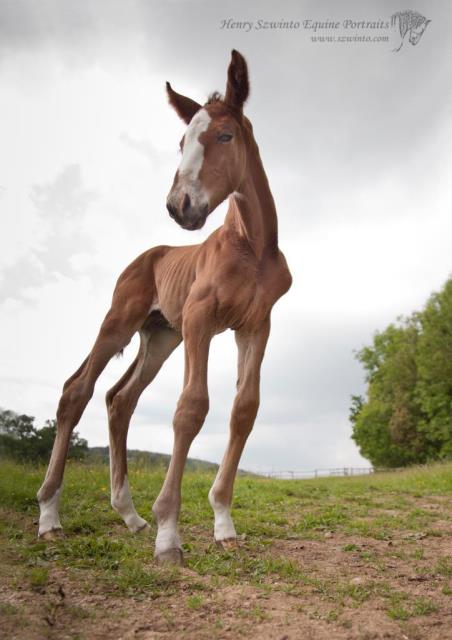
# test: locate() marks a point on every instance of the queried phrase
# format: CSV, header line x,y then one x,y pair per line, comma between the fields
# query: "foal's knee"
x,y
244,414
73,400
191,412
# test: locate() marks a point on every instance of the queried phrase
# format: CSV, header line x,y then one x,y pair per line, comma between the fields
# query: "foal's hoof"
x,y
143,530
171,556
53,534
228,544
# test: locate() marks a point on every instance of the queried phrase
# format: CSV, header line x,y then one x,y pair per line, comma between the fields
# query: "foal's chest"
x,y
249,291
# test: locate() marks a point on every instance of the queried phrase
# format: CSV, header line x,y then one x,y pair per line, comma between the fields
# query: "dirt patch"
x,y
374,578
346,567
347,586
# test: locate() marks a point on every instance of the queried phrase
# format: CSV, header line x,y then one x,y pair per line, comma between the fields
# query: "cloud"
x,y
146,149
61,207
355,142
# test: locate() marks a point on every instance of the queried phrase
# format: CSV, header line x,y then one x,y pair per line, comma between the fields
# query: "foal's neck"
x,y
252,211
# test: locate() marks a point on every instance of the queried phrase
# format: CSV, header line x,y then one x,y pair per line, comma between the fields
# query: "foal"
x,y
189,294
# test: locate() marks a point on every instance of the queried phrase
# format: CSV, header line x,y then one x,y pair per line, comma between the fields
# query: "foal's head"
x,y
213,149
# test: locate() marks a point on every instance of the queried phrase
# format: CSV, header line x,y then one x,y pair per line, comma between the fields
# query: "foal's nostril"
x,y
186,203
171,210
205,210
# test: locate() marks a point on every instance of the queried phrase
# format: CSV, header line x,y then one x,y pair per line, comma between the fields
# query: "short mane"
x,y
214,97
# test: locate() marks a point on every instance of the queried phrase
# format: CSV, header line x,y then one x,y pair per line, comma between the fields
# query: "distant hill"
x,y
148,459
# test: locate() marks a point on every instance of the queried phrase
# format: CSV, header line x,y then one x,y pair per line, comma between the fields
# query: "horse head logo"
x,y
410,22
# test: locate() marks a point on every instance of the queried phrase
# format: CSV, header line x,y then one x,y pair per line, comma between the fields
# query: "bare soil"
x,y
63,609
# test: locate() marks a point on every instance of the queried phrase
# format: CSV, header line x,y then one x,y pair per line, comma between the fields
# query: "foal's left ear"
x,y
184,107
238,87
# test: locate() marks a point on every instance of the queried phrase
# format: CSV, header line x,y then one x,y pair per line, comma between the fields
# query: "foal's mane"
x,y
215,97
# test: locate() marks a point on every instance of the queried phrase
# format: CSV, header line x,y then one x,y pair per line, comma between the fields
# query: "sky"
x,y
355,138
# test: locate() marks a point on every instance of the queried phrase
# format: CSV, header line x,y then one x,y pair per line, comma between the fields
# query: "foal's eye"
x,y
224,137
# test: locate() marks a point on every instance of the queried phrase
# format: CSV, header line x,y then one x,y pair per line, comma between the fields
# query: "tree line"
x,y
21,440
406,416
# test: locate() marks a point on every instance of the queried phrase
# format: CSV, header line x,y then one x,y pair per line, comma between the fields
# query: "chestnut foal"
x,y
189,294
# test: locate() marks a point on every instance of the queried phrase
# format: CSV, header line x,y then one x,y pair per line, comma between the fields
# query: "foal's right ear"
x,y
184,107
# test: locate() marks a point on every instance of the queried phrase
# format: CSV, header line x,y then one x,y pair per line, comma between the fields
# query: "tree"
x,y
407,417
21,440
434,389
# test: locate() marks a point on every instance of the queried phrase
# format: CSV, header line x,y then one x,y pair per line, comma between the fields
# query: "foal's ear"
x,y
184,107
237,88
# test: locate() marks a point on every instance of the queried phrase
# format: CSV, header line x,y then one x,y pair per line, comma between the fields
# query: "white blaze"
x,y
193,153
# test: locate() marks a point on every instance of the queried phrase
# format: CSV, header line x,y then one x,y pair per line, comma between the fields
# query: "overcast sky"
x,y
356,142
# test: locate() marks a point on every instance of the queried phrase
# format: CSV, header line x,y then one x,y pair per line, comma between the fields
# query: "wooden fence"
x,y
318,473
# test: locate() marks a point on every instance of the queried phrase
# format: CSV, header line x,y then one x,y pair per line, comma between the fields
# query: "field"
x,y
365,558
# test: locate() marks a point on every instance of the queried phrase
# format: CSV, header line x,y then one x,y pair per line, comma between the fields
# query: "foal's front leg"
x,y
251,348
190,414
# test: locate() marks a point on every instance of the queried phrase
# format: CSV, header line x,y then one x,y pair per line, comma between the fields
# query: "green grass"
x,y
377,520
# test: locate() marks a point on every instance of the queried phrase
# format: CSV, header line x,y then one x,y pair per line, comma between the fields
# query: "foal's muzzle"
x,y
187,214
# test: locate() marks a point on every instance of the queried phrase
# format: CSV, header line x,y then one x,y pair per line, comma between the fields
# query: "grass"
x,y
373,523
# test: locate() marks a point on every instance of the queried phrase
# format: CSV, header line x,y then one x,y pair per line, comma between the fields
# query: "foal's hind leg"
x,y
121,322
157,343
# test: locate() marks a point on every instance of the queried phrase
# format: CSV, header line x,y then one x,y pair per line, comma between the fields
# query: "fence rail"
x,y
318,473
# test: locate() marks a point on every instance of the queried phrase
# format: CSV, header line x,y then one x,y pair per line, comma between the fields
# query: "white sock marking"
x,y
167,537
49,518
224,526
122,503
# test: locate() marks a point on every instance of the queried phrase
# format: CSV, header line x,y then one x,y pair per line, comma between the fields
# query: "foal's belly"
x,y
174,277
